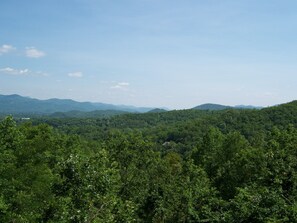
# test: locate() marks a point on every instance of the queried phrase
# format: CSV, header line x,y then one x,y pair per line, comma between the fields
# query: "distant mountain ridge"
x,y
213,107
157,110
16,104
13,104
90,114
217,107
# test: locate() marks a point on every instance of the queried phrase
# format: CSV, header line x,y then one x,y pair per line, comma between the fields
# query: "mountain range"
x,y
16,104
216,107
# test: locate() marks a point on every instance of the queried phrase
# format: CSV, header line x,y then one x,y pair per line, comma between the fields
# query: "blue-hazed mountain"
x,y
88,114
247,107
16,104
213,107
216,107
158,110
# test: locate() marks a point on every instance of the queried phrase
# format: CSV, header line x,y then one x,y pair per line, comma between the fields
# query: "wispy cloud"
x,y
32,52
12,71
6,49
21,72
77,74
121,86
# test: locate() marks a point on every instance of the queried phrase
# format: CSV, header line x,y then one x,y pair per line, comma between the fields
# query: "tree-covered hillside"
x,y
177,166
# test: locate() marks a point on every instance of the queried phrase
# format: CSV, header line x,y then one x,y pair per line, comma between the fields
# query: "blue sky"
x,y
161,53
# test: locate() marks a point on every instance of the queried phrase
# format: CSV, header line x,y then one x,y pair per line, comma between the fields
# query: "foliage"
x,y
178,166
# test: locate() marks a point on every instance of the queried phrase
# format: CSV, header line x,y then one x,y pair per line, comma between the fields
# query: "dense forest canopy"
x,y
177,166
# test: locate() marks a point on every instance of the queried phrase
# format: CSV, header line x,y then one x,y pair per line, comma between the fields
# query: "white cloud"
x,y
6,49
21,72
32,52
75,74
12,71
121,86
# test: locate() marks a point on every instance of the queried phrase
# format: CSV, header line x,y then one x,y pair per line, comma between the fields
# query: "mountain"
x,y
217,107
157,110
247,107
213,107
90,114
16,104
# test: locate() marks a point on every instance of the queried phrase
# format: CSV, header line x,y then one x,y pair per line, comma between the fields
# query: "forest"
x,y
233,165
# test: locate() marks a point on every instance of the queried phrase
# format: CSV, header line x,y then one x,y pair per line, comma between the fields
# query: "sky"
x,y
154,53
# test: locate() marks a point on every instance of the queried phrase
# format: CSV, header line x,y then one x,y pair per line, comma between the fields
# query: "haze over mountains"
x,y
16,104
216,107
19,104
